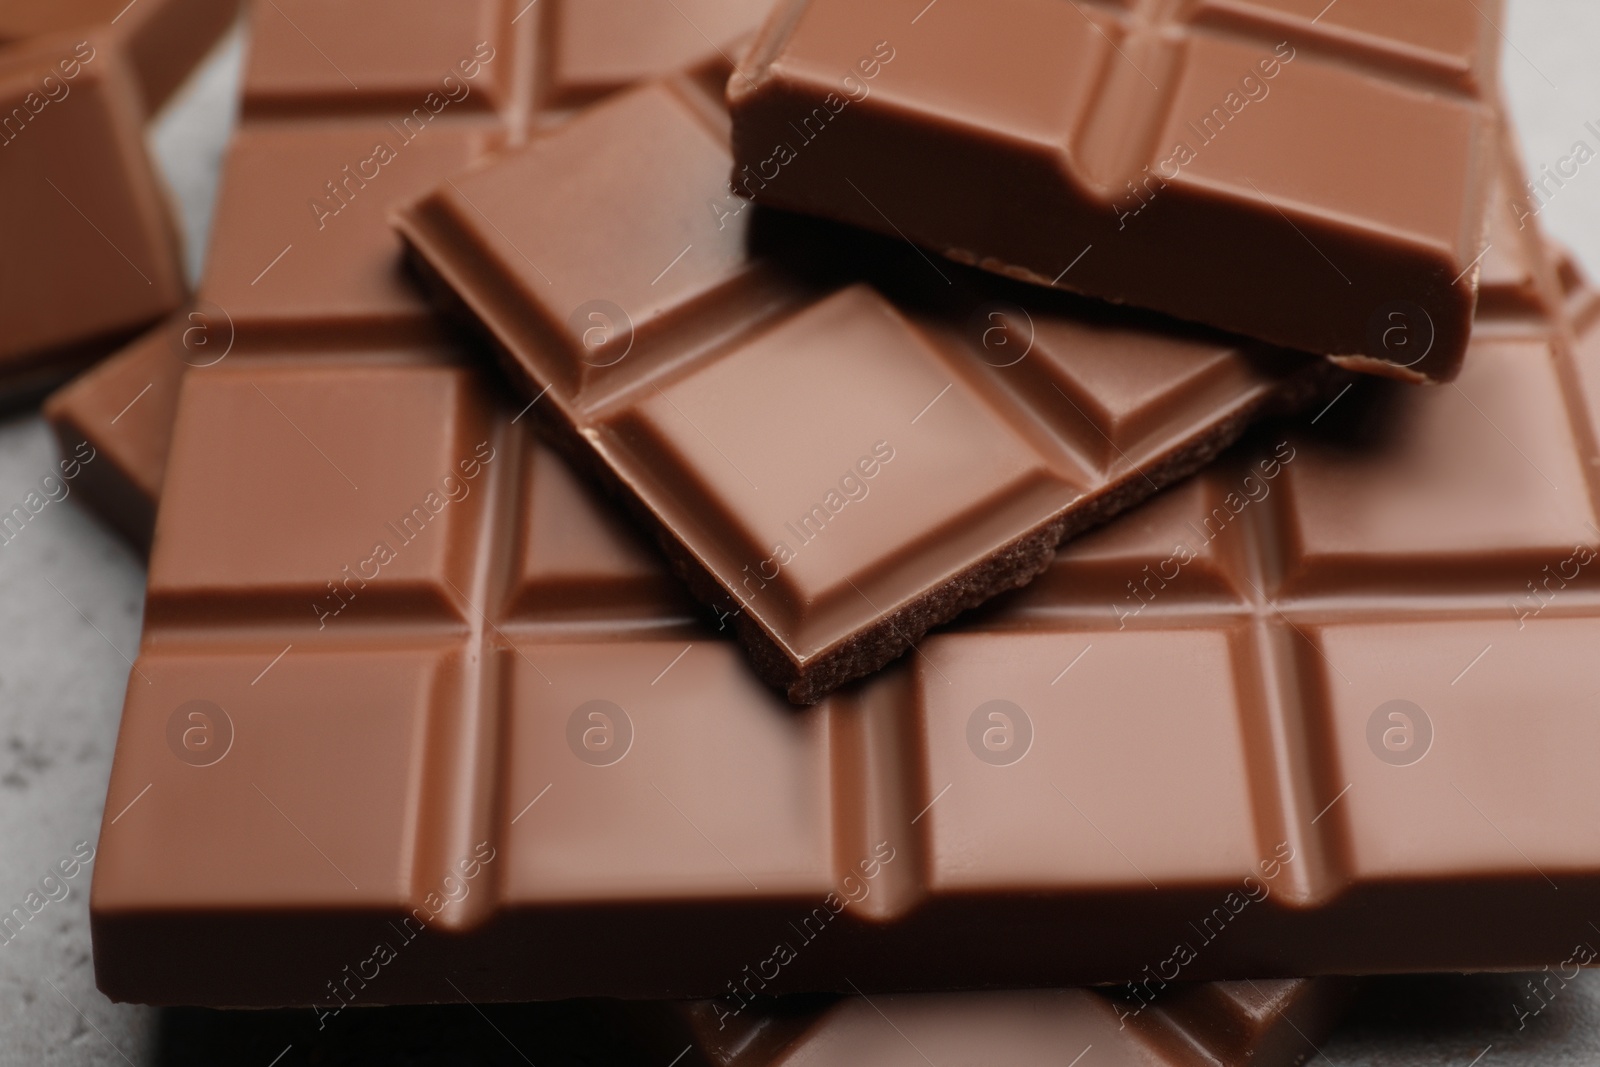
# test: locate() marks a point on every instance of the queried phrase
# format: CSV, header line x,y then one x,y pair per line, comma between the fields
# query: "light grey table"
x,y
69,621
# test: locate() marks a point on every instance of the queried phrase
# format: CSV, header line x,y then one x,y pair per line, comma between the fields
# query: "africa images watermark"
x,y
852,890
453,888
54,887
1540,996
1554,578
53,89
343,189
1551,180
452,490
1252,890
854,87
52,490
1254,489
1212,125
853,486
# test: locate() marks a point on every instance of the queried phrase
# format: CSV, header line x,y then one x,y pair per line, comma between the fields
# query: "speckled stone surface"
x,y
69,620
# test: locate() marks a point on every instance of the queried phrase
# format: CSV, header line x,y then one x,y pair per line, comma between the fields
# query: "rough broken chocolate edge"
x,y
1011,567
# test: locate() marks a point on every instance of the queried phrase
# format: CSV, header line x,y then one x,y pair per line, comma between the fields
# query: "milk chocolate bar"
x,y
346,109
368,103
383,56
409,704
839,444
1264,1024
1307,173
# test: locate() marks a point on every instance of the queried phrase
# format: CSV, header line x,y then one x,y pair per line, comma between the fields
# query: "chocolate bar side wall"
x,y
281,278
1254,166
1265,1024
957,425
94,247
495,744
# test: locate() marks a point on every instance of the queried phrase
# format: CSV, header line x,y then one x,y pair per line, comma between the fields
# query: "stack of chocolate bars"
x,y
935,505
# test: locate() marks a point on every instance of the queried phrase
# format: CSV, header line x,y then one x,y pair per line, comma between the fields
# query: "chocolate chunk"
x,y
92,250
163,40
1279,168
91,253
837,457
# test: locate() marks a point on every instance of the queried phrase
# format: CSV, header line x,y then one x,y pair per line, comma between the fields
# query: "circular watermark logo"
x,y
999,732
199,732
1401,332
599,732
204,336
1004,333
1399,733
604,331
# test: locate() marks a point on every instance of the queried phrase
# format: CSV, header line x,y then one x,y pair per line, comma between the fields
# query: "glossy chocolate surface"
x,y
92,251
1284,169
840,443
1323,709
92,256
347,109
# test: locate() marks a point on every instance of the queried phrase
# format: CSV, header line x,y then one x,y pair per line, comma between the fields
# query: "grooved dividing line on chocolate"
x,y
843,455
1209,786
302,258
1195,156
